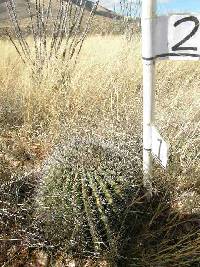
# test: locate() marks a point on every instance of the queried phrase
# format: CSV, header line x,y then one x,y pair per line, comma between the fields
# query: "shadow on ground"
x,y
161,237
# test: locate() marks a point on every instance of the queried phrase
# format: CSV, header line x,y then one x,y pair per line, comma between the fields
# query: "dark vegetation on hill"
x,y
101,11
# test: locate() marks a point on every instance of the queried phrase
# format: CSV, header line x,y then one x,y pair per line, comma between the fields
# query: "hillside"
x,y
105,21
21,8
22,13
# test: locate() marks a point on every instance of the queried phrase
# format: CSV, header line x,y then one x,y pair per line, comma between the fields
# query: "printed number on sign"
x,y
179,46
184,36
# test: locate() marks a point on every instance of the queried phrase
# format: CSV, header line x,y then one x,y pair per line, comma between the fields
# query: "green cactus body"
x,y
89,214
84,194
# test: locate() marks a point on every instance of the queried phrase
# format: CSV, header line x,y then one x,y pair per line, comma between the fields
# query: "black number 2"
x,y
193,32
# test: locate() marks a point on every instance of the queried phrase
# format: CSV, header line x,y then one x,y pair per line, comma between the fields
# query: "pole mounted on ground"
x,y
148,15
172,37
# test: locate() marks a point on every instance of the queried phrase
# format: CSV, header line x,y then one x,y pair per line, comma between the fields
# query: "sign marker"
x,y
160,148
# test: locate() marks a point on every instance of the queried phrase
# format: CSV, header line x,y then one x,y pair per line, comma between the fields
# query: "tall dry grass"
x,y
105,89
103,97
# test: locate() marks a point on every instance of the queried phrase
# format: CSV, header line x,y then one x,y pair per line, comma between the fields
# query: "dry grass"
x,y
103,97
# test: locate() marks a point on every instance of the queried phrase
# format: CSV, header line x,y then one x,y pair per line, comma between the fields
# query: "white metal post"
x,y
148,15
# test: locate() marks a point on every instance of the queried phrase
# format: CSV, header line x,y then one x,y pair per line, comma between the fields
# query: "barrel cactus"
x,y
86,187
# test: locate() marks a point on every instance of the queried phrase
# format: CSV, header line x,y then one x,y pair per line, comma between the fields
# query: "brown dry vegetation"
x,y
103,98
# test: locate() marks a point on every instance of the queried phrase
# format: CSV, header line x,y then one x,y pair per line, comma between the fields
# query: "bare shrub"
x,y
56,34
130,11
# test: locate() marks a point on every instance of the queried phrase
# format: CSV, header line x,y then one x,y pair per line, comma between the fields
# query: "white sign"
x,y
176,37
160,149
